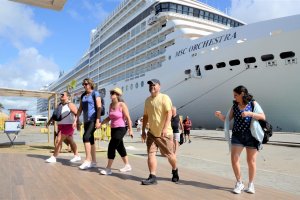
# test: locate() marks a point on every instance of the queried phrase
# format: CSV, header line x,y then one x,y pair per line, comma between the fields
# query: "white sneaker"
x,y
85,165
126,168
75,159
106,171
250,188
239,186
52,159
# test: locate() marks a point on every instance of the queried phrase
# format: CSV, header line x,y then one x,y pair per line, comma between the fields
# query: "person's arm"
x,y
222,117
73,109
166,123
144,125
127,116
49,122
107,119
181,125
98,110
78,115
257,116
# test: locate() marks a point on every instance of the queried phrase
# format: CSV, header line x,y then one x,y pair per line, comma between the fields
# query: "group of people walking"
x,y
159,129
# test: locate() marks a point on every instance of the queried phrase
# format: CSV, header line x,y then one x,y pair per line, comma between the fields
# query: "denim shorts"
x,y
244,140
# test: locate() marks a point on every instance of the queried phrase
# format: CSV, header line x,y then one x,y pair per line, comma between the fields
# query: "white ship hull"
x,y
274,87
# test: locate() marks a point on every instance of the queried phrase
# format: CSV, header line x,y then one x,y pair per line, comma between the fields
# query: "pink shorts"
x,y
66,129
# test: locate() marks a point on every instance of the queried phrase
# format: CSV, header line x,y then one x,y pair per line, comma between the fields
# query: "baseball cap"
x,y
153,82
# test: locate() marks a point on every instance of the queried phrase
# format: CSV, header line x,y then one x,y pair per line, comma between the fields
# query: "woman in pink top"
x,y
118,113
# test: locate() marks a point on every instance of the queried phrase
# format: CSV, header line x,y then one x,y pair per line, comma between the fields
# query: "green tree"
x,y
71,86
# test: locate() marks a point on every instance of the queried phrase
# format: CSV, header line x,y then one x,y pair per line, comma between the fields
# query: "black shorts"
x,y
89,129
244,140
186,132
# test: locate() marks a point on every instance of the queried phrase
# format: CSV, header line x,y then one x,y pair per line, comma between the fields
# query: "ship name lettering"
x,y
207,43
181,52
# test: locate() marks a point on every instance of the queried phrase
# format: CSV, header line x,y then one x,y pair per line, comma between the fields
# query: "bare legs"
x,y
90,152
251,160
152,162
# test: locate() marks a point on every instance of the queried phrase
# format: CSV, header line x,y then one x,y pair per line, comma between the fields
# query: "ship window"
x,y
211,16
173,7
185,10
216,17
220,65
288,54
131,86
191,11
136,85
179,8
267,57
224,21
208,67
158,8
165,7
196,13
250,60
142,83
234,62
206,14
126,87
201,14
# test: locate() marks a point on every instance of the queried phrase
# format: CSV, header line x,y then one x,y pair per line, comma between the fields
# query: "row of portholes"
x,y
136,85
249,60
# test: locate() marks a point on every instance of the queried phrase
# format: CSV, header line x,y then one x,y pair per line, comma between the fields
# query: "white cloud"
x,y
30,70
28,104
17,24
90,10
251,11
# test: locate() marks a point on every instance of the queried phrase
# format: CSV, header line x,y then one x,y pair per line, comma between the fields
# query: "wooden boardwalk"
x,y
27,176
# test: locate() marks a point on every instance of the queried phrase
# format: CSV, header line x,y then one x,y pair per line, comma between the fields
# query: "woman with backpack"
x,y
65,117
246,133
90,105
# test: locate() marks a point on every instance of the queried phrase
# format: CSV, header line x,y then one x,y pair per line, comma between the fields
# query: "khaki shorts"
x,y
165,144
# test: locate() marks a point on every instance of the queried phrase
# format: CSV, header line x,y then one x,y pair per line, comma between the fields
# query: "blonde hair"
x,y
90,82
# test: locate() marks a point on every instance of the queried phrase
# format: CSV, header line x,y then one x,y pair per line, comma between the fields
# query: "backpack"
x,y
94,98
266,127
181,139
56,115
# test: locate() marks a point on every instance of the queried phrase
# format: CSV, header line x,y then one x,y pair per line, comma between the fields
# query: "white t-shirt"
x,y
64,112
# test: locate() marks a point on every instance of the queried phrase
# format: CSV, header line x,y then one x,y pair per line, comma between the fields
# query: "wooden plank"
x,y
29,177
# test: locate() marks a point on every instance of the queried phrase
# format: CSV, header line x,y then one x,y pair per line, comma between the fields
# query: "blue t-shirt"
x,y
241,124
88,106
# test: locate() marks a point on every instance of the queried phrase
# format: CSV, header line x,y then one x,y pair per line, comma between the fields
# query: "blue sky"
x,y
36,43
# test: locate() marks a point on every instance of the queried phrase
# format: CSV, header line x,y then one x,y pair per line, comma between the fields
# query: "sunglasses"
x,y
112,93
84,84
62,95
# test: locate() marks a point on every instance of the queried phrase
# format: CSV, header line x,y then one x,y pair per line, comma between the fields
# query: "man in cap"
x,y
158,112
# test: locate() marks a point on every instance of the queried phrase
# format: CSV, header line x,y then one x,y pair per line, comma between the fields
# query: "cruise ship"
x,y
199,54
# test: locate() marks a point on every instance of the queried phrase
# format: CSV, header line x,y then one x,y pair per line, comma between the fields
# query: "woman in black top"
x,y
175,123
